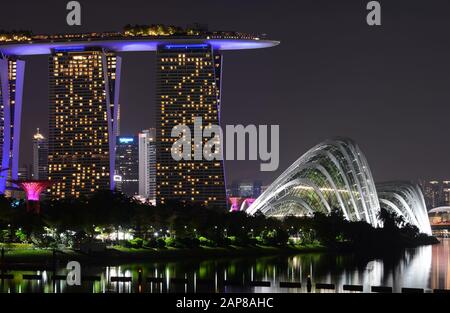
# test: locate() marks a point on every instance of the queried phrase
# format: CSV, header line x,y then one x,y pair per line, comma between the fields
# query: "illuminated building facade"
x,y
40,156
437,193
84,82
84,93
440,221
188,86
127,165
24,172
12,71
147,164
245,189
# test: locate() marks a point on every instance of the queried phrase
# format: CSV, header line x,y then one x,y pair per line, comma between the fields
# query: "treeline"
x,y
70,221
157,30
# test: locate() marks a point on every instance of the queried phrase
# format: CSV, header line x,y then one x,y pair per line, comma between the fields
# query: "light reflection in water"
x,y
425,267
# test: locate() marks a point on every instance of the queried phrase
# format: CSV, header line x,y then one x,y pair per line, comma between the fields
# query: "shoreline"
x,y
43,258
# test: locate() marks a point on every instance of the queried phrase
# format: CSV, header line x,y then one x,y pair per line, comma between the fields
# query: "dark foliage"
x,y
191,225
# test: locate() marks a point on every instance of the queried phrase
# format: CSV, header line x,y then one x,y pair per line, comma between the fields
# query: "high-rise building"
x,y
82,120
127,165
436,193
40,156
445,193
147,164
431,190
246,189
24,172
12,72
188,86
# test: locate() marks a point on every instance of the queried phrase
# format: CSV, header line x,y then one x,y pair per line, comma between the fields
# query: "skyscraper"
x,y
147,163
127,165
246,189
436,193
40,156
24,172
188,86
82,120
12,72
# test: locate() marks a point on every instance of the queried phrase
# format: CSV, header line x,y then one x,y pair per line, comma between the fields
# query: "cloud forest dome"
x,y
405,199
333,174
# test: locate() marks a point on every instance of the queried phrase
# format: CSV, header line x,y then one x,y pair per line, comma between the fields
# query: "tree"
x,y
390,220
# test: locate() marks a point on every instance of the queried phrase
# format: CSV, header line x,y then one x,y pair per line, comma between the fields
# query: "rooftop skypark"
x,y
156,31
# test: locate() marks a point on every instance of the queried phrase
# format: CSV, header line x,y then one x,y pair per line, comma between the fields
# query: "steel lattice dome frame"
x,y
405,199
335,175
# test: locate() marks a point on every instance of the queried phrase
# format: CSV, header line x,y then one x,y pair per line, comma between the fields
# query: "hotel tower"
x,y
188,86
82,119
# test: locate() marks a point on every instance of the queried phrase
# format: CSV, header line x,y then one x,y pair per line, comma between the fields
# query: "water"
x,y
425,267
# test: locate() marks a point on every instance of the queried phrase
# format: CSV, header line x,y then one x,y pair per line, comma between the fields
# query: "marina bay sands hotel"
x,y
84,85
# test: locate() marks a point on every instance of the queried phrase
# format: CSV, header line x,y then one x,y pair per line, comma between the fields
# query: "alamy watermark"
x,y
74,275
207,143
374,16
73,17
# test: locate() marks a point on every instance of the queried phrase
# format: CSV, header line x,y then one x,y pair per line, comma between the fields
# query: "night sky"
x,y
386,87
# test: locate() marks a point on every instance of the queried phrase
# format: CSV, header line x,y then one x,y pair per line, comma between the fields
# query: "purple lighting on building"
x,y
129,45
4,85
12,111
20,77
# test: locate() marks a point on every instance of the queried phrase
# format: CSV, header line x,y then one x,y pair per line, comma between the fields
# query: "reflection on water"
x,y
424,267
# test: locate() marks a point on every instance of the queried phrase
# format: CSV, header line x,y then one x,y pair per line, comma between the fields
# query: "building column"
x,y
112,109
20,75
6,135
12,72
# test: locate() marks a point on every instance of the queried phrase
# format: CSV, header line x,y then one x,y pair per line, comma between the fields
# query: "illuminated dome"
x,y
440,217
405,199
333,174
